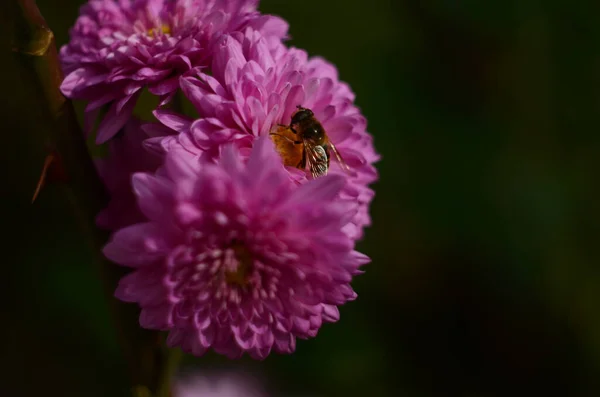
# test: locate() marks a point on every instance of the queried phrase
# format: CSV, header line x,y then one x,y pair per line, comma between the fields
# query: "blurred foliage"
x,y
485,277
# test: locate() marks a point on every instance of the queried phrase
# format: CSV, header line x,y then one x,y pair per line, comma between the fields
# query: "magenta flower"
x,y
224,385
235,257
118,47
252,89
126,155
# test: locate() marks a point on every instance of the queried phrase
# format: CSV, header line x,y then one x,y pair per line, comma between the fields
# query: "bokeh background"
x,y
485,277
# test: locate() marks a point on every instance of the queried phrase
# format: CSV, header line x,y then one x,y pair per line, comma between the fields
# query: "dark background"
x,y
485,278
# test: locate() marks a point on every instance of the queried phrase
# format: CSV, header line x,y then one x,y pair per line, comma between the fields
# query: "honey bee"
x,y
304,142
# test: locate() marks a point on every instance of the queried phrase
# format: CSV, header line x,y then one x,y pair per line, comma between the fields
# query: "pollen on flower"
x,y
164,29
240,259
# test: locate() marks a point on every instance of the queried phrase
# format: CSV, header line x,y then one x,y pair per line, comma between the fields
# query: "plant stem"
x,y
33,43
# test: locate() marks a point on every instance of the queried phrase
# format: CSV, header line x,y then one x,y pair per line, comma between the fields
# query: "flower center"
x,y
240,275
164,29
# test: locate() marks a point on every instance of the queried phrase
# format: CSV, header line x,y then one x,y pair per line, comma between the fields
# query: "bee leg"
x,y
302,164
286,138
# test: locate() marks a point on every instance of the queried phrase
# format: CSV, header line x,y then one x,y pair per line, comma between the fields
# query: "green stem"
x,y
33,45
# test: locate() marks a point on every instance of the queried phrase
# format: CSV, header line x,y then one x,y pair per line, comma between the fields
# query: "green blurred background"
x,y
485,277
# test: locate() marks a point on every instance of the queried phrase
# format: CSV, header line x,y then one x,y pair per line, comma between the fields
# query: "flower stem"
x,y
33,45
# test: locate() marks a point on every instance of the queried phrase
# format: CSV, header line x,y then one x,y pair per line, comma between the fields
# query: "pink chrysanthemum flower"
x,y
125,156
118,47
224,385
252,89
235,257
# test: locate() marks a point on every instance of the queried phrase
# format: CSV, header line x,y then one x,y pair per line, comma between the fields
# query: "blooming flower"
x,y
126,155
236,257
252,89
118,47
224,385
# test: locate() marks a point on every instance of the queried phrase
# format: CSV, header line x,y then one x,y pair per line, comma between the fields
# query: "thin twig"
x,y
34,45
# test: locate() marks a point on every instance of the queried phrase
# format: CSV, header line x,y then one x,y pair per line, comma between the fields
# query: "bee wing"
x,y
338,157
317,159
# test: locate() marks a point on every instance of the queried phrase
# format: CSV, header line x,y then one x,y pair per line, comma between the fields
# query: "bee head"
x,y
301,114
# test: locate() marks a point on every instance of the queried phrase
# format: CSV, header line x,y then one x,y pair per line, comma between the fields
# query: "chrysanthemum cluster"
x,y
119,47
232,249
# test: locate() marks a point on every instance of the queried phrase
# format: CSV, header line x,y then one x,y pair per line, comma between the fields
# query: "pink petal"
x,y
324,188
114,121
154,194
129,246
173,120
